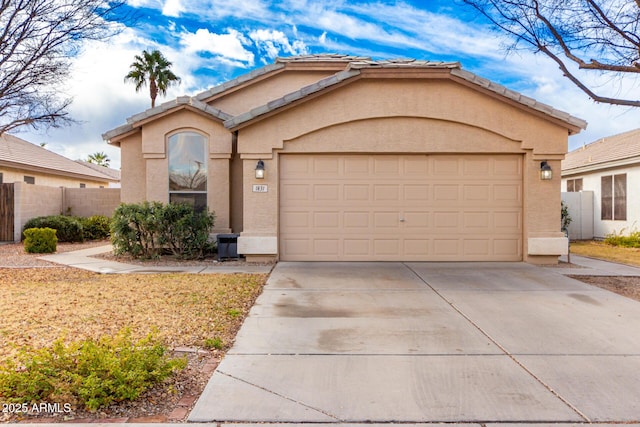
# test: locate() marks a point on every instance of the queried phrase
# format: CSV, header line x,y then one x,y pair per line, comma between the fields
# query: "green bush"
x,y
183,231
565,216
144,230
96,227
134,229
69,229
91,373
632,240
40,240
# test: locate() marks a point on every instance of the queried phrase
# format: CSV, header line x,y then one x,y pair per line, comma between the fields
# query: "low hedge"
x,y
40,240
73,228
69,229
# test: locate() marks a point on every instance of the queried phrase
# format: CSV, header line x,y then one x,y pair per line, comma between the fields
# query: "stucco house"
x,y
609,171
23,161
342,158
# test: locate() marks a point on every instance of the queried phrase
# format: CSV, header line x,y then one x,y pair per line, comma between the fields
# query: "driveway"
x,y
429,342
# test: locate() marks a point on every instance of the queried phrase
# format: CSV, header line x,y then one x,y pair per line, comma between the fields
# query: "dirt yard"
x,y
191,314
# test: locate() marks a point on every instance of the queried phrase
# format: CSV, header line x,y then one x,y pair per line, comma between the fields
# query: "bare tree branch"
x,y
38,40
601,36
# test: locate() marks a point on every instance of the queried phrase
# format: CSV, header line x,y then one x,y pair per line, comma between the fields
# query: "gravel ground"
x,y
13,254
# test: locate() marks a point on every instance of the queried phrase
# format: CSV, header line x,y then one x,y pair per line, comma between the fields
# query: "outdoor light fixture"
x,y
260,170
545,171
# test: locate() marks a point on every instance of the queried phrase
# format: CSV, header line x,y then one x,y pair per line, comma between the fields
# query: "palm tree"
x,y
99,158
154,68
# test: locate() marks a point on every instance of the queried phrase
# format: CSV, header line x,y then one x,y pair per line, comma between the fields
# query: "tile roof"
x,y
279,64
322,57
20,154
113,173
518,97
598,154
354,68
164,107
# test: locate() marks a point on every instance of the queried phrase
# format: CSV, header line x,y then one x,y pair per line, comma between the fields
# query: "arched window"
x,y
188,169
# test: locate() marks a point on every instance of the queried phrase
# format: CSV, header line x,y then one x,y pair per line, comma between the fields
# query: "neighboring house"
x,y
25,162
610,168
341,158
113,173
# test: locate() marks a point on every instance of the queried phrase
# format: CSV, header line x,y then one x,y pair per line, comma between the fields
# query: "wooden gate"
x,y
6,212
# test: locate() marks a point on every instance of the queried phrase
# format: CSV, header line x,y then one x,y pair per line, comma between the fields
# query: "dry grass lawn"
x,y
39,305
606,252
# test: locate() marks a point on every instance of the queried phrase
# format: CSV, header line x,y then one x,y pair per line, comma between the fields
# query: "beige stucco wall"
x,y
17,175
133,170
31,201
406,116
86,202
271,87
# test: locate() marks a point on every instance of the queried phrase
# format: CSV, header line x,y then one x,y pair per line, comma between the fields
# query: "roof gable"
x,y
365,65
623,148
20,154
183,102
328,59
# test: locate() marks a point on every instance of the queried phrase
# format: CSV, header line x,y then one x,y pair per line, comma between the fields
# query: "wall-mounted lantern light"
x,y
260,170
545,171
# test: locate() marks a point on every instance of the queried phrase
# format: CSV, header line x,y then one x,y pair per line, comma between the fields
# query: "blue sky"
x,y
211,41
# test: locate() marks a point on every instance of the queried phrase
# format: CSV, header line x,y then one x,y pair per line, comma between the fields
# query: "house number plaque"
x,y
260,188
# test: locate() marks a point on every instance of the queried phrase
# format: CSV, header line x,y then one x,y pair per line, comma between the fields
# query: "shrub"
x,y
134,229
143,229
92,373
566,217
69,229
213,343
96,227
632,240
40,240
183,231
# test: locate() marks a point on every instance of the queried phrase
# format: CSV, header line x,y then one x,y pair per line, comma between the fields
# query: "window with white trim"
x,y
187,153
574,185
613,197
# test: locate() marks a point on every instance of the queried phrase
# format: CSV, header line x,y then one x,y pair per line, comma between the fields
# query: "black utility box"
x,y
227,246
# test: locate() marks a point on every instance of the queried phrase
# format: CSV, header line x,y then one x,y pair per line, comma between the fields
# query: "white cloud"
x,y
323,38
229,46
173,8
154,4
272,42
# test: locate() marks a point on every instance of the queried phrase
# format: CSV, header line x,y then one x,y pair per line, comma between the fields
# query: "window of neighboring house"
x,y
29,179
0,177
614,197
187,152
574,185
83,185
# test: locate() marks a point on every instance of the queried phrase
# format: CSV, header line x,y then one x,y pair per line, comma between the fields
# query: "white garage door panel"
x,y
401,207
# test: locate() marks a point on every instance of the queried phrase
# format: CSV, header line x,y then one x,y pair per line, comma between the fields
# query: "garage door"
x,y
400,207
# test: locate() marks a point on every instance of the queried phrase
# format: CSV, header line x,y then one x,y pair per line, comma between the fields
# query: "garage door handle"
x,y
401,219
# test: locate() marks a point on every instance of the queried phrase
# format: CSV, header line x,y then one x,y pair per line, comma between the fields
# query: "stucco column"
x,y
218,191
259,239
544,241
157,178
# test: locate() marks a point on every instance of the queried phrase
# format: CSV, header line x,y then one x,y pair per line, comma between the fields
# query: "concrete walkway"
x,y
427,343
84,259
595,267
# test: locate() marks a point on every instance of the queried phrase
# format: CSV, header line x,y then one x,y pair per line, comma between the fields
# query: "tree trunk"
x,y
153,91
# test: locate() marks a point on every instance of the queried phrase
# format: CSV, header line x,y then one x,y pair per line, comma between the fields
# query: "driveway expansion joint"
x,y
297,402
502,348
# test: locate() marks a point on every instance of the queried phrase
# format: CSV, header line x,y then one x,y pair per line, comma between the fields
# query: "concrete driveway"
x,y
429,342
